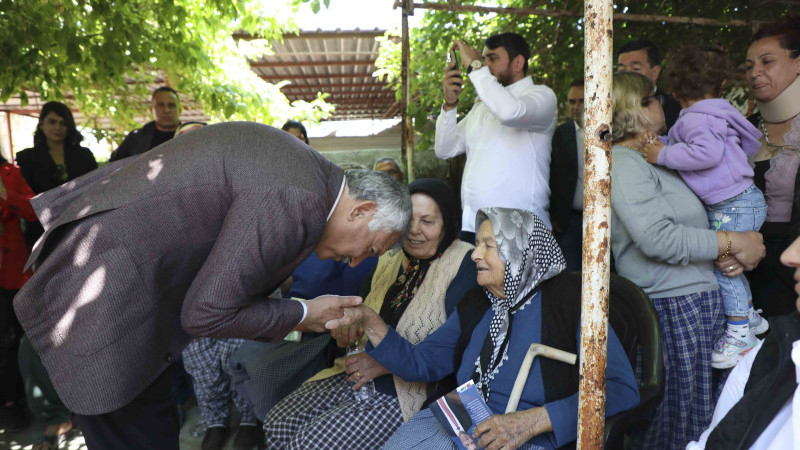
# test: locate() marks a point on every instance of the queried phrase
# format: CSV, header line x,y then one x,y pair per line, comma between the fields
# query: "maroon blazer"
x,y
188,238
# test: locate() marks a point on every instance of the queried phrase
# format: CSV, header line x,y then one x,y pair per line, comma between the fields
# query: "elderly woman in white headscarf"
x,y
519,266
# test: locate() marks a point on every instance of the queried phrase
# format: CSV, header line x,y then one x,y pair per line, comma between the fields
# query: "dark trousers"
x,y
149,421
43,400
11,388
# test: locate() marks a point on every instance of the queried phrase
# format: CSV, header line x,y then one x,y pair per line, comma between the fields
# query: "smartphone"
x,y
451,59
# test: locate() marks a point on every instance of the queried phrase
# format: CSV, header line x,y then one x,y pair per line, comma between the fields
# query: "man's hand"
x,y
511,430
452,84
346,335
323,309
468,53
361,368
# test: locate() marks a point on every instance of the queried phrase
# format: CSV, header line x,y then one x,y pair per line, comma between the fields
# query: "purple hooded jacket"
x,y
709,146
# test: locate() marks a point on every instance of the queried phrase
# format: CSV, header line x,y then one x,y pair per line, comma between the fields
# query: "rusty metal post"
x,y
406,128
598,29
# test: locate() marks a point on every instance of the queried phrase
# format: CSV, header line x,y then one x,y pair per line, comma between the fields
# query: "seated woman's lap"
x,y
324,414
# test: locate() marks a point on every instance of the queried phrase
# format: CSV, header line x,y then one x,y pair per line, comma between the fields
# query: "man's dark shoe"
x,y
215,438
249,437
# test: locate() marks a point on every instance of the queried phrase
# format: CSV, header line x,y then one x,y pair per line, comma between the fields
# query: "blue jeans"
x,y
745,212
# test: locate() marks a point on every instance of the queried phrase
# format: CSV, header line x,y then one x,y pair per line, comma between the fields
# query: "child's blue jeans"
x,y
744,212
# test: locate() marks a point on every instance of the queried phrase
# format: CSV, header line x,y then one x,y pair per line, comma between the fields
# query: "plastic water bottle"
x,y
365,391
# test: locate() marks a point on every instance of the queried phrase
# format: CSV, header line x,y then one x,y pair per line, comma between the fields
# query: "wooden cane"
x,y
533,351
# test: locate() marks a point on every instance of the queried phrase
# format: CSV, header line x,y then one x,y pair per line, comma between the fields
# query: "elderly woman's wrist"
x,y
725,244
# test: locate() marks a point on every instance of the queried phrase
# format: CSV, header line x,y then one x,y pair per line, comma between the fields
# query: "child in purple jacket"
x,y
709,146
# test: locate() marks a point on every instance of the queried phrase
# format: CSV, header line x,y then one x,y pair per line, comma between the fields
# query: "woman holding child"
x,y
662,242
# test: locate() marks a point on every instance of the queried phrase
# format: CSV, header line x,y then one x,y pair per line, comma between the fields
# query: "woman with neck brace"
x,y
773,72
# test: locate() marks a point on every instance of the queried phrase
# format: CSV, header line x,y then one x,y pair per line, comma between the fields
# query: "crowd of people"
x,y
232,264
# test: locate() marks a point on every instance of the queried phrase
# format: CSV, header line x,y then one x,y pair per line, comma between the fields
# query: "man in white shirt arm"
x,y
506,135
759,408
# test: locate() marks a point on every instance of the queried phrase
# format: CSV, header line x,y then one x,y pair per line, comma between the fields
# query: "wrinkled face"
x,y
636,61
352,241
390,169
298,133
166,109
770,69
427,227
654,114
491,269
575,103
54,127
791,258
499,65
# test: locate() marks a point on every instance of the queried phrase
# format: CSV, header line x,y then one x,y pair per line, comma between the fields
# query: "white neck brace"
x,y
783,107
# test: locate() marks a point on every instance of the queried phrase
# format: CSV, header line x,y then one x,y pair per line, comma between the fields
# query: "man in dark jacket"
x,y
643,57
566,180
165,105
188,239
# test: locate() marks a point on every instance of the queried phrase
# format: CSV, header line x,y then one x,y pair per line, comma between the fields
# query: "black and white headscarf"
x,y
531,255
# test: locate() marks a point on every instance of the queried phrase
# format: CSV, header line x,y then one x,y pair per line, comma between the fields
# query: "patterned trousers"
x,y
206,360
691,324
323,414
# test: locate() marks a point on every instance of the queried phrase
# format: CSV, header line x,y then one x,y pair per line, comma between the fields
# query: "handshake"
x,y
328,312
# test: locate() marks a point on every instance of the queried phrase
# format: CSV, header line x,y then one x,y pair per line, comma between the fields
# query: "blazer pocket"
x,y
106,301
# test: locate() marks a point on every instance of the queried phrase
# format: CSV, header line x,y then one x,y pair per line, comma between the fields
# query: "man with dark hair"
x,y
506,136
566,180
165,104
642,56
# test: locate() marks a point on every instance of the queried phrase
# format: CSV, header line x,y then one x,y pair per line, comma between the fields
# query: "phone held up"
x,y
452,61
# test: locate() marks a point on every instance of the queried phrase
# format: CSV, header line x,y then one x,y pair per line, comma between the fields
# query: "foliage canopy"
x,y
557,42
101,54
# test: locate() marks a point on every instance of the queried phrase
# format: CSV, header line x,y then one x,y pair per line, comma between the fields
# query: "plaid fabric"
x,y
424,432
323,414
206,360
253,369
691,325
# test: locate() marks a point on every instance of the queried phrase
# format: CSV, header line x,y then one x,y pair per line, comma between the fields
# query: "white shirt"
x,y
779,434
506,137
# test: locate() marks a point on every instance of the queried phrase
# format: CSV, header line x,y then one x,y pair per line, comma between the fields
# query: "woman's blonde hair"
x,y
629,89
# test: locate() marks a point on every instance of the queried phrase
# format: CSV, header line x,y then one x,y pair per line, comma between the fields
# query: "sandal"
x,y
46,442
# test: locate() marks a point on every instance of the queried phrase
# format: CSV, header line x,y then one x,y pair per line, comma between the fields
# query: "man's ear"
x,y
360,209
657,70
518,63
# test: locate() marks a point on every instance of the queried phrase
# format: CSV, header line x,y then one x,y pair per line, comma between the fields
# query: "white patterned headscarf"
x,y
531,255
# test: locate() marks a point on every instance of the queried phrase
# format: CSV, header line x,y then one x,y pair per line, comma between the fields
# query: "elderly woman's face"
x,y
427,227
491,269
770,69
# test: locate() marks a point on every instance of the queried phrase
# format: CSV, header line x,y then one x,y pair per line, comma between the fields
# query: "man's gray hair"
x,y
393,213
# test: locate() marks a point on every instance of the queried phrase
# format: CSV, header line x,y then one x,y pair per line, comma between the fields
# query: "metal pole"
x,y
407,131
598,31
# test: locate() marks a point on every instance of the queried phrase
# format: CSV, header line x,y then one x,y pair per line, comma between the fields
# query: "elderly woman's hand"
x,y
346,335
729,266
511,430
361,368
370,322
747,247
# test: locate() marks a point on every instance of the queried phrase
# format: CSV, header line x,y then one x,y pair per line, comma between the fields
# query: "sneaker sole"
x,y
761,329
731,362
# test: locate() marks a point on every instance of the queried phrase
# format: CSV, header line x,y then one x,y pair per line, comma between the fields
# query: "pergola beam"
x,y
311,63
323,86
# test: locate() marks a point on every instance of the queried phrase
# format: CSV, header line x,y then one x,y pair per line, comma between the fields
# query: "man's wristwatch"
x,y
475,65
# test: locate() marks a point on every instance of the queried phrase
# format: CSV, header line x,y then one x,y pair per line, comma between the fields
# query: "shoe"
x,y
215,438
729,350
249,437
758,324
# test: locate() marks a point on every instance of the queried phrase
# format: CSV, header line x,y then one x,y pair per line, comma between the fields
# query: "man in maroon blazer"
x,y
188,238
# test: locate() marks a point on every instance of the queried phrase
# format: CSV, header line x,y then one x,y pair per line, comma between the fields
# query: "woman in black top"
x,y
55,158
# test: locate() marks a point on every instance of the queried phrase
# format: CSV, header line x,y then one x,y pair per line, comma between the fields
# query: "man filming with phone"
x,y
507,133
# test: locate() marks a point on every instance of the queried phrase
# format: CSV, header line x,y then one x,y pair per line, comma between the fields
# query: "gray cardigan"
x,y
659,229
